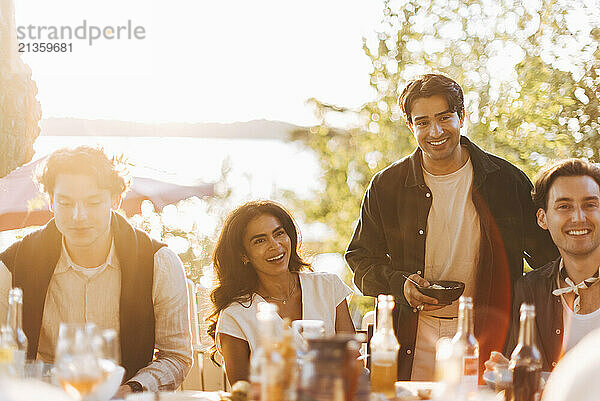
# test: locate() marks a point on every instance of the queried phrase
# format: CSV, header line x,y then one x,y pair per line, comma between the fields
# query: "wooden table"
x,y
484,393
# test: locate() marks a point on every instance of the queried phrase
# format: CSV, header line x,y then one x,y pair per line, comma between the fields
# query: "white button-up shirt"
x,y
77,294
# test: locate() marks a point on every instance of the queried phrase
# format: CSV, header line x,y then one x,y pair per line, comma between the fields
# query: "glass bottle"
x,y
526,361
466,348
14,320
384,349
7,351
267,364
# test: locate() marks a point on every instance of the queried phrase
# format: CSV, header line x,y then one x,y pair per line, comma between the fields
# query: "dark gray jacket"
x,y
389,241
536,288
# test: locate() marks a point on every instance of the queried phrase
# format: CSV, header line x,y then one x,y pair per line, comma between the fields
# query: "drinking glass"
x,y
447,369
308,329
108,352
109,345
33,369
503,381
78,367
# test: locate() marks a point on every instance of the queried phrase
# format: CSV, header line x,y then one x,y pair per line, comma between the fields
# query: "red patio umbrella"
x,y
23,205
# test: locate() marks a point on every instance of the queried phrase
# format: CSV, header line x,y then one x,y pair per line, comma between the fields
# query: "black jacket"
x,y
536,288
389,241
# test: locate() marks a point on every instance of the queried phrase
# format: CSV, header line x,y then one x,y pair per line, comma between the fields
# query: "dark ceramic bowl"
x,y
451,292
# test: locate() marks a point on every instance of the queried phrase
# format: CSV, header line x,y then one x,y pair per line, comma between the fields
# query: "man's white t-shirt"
x,y
576,326
453,231
451,253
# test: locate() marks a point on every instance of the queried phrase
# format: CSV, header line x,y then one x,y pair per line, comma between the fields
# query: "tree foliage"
x,y
176,226
529,70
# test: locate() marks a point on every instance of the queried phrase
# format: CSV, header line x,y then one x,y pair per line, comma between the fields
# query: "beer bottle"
x,y
384,349
466,348
525,361
14,321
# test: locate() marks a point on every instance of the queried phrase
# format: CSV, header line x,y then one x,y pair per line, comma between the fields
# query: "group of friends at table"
x,y
449,210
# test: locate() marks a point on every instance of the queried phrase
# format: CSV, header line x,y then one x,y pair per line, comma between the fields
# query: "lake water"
x,y
260,168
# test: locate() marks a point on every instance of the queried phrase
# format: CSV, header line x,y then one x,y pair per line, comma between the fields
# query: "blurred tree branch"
x,y
20,112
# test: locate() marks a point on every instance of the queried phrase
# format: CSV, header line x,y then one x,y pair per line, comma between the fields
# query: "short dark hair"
x,y
110,172
562,168
429,85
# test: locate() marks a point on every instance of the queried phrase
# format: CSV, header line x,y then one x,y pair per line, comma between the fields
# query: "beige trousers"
x,y
429,331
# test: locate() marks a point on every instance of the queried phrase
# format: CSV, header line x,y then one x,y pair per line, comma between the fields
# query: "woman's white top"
x,y
321,294
576,326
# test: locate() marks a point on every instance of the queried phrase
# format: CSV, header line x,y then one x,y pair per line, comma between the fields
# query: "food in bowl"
x,y
440,287
445,291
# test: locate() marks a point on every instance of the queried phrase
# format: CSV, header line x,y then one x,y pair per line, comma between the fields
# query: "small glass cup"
x,y
34,369
503,380
77,362
308,330
109,345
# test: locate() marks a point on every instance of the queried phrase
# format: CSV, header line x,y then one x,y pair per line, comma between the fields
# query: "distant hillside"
x,y
256,129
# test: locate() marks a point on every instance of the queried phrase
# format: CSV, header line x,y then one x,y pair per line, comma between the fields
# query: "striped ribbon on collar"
x,y
572,287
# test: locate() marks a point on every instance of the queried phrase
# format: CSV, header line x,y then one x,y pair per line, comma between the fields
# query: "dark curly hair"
x,y
429,85
235,281
110,172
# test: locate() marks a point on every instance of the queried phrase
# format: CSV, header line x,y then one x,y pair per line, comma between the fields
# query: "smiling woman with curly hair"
x,y
256,259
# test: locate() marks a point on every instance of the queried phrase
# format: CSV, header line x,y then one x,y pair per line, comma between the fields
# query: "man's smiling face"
x,y
437,130
572,215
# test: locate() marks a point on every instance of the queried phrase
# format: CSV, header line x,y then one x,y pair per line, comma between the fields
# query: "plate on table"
x,y
415,390
490,379
188,395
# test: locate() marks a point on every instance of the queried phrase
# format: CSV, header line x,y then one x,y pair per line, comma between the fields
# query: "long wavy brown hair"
x,y
237,282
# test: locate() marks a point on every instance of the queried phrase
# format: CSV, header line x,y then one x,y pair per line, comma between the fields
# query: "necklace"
x,y
284,300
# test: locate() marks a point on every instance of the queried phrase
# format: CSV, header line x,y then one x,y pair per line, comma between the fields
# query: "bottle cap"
x,y
16,294
384,297
528,308
267,307
266,310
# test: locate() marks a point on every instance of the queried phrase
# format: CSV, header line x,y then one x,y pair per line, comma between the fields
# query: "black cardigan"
x,y
536,288
33,259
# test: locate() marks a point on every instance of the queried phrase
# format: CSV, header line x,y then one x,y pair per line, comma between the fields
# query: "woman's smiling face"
x,y
267,245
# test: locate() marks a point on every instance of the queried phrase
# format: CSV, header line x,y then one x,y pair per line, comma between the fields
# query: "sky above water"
x,y
200,61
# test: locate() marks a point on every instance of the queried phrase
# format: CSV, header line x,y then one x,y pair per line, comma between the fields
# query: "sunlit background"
x,y
202,62
529,70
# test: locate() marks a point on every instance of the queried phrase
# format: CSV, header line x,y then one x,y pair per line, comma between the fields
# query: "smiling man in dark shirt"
x,y
565,292
448,211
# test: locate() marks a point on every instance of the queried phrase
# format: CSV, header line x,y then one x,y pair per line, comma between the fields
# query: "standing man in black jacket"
x,y
448,211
